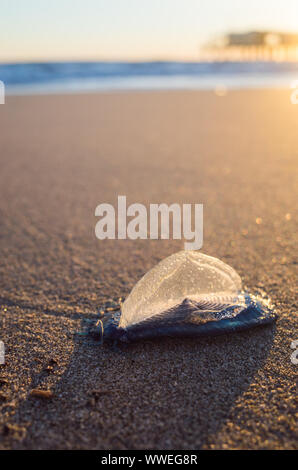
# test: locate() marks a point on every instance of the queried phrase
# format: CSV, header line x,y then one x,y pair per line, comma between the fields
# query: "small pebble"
x,y
41,393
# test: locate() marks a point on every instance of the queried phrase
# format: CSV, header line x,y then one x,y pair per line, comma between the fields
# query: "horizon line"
x,y
140,61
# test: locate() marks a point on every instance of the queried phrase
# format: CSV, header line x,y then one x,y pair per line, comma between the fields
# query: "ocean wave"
x,y
75,76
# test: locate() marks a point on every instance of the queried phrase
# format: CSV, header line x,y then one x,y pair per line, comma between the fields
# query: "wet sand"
x,y
61,156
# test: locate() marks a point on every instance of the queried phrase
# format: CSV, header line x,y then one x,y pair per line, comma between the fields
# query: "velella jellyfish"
x,y
187,294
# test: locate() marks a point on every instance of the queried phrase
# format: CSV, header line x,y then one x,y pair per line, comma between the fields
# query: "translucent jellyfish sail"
x,y
187,294
185,275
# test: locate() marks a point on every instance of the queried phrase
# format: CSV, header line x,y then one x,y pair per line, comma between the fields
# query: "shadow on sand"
x,y
162,394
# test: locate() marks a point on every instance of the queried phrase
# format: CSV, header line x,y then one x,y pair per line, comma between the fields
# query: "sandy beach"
x,y
61,156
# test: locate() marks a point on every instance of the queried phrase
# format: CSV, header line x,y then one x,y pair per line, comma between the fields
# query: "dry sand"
x,y
63,155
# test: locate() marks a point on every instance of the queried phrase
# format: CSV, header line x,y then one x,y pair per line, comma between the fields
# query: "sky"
x,y
44,30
